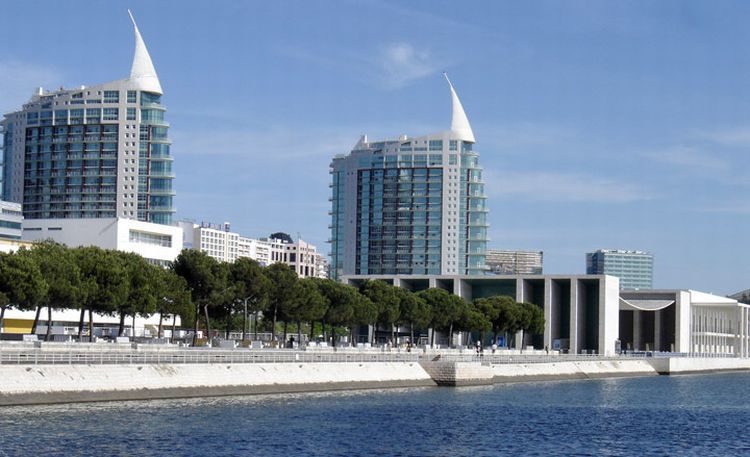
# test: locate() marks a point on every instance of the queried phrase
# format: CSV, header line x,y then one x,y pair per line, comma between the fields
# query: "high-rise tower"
x,y
92,152
411,205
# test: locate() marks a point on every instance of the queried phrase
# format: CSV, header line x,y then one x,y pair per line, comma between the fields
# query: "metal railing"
x,y
210,356
72,355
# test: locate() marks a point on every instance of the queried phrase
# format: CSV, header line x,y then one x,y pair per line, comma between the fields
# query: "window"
x,y
156,239
132,96
111,96
131,114
111,114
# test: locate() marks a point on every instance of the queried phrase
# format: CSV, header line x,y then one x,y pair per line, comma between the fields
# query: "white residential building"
x,y
226,246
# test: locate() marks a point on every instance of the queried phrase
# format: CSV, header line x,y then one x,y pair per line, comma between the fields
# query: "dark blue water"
x,y
705,415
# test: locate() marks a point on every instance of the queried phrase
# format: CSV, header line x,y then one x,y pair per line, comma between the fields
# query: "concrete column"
x,y
637,330
549,312
574,296
657,330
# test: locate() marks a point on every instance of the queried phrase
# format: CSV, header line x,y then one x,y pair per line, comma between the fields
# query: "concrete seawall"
x,y
450,373
36,384
25,384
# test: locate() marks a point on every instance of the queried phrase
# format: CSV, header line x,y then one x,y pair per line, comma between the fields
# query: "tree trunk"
x,y
208,324
80,323
432,342
312,330
91,325
286,326
36,320
229,325
244,321
273,329
49,323
161,318
393,335
450,335
2,317
411,332
299,333
121,331
333,337
144,328
197,316
325,330
174,326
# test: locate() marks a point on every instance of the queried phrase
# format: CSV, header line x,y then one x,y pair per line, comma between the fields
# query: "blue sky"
x,y
599,124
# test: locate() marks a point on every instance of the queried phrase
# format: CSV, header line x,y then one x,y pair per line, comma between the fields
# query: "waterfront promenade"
x,y
64,372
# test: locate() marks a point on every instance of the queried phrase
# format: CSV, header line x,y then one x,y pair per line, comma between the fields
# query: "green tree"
x,y
251,287
342,301
21,283
58,267
142,278
283,291
473,319
386,299
309,305
172,298
206,280
532,319
104,283
414,311
445,308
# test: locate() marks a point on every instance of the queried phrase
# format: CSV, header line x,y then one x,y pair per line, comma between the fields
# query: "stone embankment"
x,y
56,374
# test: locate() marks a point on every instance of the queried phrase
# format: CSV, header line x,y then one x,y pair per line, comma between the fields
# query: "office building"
x,y
514,262
414,205
98,151
634,268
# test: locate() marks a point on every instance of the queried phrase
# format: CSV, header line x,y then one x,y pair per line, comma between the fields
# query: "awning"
x,y
645,305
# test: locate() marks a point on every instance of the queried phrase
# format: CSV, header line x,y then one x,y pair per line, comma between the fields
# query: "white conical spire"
x,y
142,72
459,122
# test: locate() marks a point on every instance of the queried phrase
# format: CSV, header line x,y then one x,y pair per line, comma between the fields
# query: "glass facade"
x,y
109,158
413,206
634,268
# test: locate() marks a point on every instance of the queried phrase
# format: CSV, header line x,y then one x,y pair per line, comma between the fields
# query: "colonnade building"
x,y
410,205
590,314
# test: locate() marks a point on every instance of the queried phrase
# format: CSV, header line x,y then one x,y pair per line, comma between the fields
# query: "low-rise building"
x,y
219,242
503,262
159,244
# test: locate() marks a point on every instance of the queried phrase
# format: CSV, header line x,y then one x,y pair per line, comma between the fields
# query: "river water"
x,y
706,415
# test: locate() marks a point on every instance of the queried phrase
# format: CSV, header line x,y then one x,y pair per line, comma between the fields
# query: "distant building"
x,y
634,268
219,242
515,262
411,205
11,218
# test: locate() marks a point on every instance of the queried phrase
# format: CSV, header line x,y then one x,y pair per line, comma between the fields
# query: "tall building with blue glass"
x,y
92,152
410,206
634,268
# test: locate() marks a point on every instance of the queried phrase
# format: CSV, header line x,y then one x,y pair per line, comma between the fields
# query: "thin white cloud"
x,y
402,63
393,66
689,157
521,135
738,208
563,187
735,136
18,81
